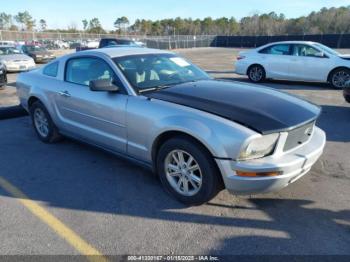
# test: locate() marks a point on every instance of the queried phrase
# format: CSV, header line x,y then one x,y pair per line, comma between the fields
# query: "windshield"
x,y
158,70
327,49
33,48
123,42
8,51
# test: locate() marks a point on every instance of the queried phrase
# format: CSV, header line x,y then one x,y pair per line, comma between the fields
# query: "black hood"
x,y
259,108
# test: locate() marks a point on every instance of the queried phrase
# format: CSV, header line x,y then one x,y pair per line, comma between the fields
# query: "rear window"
x,y
51,69
280,49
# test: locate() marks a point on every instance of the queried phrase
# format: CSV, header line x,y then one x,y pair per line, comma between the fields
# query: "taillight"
x,y
240,57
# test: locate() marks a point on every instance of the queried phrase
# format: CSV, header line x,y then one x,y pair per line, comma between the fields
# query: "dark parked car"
x,y
39,53
106,42
113,42
3,77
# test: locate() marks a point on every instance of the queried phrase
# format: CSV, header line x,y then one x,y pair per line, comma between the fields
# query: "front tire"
x,y
340,78
187,171
43,124
256,73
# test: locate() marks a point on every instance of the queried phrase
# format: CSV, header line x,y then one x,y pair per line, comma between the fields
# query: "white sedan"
x,y
295,61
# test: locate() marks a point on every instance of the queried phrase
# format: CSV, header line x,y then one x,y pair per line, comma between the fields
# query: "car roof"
x,y
125,51
293,42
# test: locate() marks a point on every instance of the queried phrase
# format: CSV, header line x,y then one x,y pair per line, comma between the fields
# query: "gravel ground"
x,y
120,208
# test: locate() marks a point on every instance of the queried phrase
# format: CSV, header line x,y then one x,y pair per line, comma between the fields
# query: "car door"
x,y
309,63
275,59
98,117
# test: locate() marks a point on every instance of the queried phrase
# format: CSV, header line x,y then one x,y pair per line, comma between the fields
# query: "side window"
x,y
305,50
85,69
282,49
51,69
111,42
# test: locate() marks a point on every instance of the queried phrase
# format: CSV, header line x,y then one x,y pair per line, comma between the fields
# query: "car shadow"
x,y
334,120
295,228
220,71
282,84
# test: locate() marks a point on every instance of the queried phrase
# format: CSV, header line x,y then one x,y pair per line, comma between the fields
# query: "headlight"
x,y
259,147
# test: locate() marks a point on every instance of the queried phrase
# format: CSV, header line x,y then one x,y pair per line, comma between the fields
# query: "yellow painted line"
x,y
59,227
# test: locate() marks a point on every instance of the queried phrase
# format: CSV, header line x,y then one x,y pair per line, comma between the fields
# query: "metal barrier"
x,y
331,40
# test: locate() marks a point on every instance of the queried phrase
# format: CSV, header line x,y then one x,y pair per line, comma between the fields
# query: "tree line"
x,y
325,21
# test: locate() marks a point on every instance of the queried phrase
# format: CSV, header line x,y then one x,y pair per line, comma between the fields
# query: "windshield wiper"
x,y
157,88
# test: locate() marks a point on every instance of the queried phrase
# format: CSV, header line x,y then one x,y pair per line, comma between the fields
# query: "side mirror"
x,y
103,85
319,54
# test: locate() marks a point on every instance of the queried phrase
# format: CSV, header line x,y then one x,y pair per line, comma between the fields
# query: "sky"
x,y
62,13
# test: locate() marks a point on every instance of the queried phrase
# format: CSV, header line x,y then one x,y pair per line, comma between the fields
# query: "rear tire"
x,y
347,99
340,78
43,124
180,175
3,85
256,73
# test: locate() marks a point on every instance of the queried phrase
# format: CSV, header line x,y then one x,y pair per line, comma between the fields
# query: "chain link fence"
x,y
160,42
36,36
178,41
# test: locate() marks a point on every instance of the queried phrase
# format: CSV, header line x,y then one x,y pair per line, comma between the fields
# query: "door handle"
x,y
64,93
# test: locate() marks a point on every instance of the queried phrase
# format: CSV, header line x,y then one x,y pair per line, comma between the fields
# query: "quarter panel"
x,y
34,84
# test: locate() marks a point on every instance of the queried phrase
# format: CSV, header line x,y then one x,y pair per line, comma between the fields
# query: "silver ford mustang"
x,y
198,134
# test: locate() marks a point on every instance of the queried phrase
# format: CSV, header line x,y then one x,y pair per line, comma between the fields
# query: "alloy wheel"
x,y
41,122
183,172
341,79
256,73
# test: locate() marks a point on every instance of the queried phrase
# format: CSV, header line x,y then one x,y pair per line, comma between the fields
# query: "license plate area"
x,y
299,136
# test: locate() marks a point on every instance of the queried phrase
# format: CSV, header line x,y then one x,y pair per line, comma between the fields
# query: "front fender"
x,y
189,126
149,119
223,140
